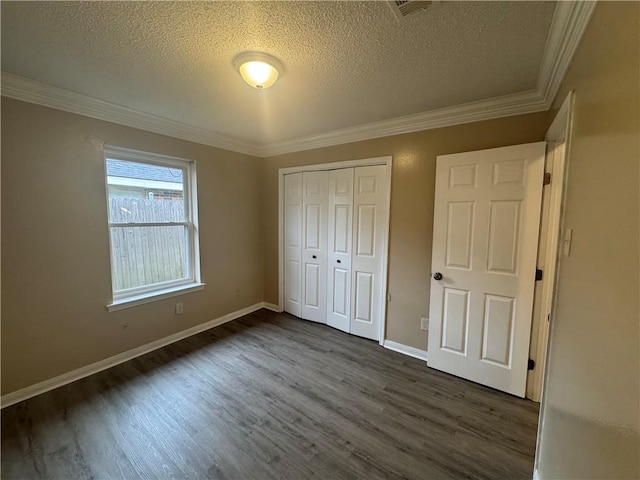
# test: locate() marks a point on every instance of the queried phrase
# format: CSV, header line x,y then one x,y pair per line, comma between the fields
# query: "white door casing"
x,y
369,232
547,261
314,251
485,241
293,243
339,248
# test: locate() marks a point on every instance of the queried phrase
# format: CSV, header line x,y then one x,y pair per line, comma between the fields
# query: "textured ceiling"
x,y
346,63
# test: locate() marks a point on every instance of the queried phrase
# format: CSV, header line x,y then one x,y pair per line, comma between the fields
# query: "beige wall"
x,y
412,196
55,251
590,411
56,275
55,268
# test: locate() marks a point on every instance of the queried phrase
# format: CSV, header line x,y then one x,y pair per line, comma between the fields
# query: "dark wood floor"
x,y
270,396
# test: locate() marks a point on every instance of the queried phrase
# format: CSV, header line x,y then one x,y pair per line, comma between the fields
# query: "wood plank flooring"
x,y
270,396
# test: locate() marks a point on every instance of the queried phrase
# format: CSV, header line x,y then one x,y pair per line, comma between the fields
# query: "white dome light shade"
x,y
258,74
259,70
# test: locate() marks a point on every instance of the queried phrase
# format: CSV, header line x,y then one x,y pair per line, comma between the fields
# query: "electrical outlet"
x,y
424,323
237,293
179,308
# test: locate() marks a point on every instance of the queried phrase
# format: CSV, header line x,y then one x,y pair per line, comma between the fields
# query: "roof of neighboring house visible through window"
x,y
126,169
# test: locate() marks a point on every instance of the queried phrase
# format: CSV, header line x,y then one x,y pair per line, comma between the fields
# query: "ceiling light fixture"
x,y
258,69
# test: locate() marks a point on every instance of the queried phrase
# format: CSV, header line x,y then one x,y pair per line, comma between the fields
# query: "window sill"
x,y
136,300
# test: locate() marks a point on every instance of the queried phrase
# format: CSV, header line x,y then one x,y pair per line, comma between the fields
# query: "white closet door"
x,y
314,252
293,243
369,220
339,248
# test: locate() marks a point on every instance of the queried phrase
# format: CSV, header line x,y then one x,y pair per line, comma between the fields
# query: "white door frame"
x,y
558,134
365,162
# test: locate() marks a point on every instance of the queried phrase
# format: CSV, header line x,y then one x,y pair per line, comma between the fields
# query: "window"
x,y
151,209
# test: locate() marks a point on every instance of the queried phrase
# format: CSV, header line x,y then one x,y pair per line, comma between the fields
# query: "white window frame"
x,y
192,281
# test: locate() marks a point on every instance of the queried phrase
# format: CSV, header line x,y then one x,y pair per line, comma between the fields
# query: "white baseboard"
x,y
407,350
65,378
273,307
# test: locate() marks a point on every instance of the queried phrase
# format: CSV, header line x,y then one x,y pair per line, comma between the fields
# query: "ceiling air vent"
x,y
402,8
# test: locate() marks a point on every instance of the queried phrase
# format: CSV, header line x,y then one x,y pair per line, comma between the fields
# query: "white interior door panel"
x,y
369,229
314,251
339,248
486,221
293,243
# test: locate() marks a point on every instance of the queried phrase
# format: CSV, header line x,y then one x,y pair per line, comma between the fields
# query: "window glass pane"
x,y
143,193
143,256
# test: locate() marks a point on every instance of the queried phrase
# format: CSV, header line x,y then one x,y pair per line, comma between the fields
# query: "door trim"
x,y
558,134
387,161
560,131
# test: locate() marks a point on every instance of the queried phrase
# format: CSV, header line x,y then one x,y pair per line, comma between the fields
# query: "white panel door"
x,y
314,251
339,248
369,220
486,221
293,243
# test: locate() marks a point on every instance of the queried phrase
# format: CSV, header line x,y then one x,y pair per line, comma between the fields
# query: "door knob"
x,y
313,256
437,276
339,261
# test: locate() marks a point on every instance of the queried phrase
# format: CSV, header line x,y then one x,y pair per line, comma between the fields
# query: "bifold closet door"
x,y
334,238
339,248
369,223
314,245
293,244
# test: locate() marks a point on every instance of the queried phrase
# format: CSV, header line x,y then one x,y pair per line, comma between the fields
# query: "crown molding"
x,y
30,91
569,22
497,107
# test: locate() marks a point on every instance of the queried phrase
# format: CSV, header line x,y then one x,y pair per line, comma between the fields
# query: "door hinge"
x,y
531,364
547,179
538,274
